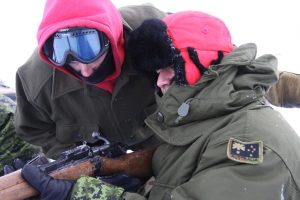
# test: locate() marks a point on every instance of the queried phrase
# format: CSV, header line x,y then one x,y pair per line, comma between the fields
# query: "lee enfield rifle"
x,y
82,160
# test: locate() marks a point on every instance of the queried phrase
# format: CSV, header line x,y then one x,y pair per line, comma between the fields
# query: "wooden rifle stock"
x,y
138,164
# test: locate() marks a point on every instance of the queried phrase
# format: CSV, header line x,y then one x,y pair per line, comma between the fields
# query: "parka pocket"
x,y
76,133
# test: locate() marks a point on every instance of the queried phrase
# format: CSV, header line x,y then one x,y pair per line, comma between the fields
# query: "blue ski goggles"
x,y
83,44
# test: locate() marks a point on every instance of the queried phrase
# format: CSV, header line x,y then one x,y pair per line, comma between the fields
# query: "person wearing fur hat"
x,y
222,138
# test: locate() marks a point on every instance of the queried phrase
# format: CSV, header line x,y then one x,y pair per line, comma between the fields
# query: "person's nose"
x,y
162,80
86,70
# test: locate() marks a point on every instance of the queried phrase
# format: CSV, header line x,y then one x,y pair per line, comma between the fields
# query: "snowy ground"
x,y
272,25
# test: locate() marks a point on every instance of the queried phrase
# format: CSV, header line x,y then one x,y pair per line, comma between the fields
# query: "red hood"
x,y
99,14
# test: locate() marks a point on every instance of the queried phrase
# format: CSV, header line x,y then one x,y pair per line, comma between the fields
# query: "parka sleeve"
x,y
226,179
33,123
286,92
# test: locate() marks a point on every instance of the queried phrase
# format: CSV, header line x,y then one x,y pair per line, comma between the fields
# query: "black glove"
x,y
14,166
48,187
130,184
18,163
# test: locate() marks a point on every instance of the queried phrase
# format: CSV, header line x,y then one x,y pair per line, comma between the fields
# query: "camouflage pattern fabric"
x,y
11,147
92,188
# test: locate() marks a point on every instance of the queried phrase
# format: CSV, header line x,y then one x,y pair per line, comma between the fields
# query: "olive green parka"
x,y
197,160
58,112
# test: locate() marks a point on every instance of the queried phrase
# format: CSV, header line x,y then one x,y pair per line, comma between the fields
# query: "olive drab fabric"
x,y
198,160
11,147
57,111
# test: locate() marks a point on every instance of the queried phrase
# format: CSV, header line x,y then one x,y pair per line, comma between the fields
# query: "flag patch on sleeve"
x,y
245,152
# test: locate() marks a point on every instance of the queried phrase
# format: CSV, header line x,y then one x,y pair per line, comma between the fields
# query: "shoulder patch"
x,y
245,152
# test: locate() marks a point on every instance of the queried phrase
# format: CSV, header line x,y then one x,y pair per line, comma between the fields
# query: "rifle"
x,y
82,160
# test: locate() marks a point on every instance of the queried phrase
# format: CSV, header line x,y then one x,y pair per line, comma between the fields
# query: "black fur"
x,y
220,57
179,68
194,57
149,47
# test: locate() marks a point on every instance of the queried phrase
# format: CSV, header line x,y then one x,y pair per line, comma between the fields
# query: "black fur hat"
x,y
190,41
150,47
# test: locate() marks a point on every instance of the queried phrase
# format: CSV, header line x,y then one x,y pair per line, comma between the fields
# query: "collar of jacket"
x,y
238,83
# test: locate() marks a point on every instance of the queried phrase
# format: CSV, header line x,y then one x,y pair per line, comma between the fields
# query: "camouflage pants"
x,y
92,188
11,147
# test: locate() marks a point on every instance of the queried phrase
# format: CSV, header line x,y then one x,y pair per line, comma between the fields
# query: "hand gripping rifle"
x,y
82,160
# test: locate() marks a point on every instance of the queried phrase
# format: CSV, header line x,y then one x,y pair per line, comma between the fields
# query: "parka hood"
x,y
238,81
99,14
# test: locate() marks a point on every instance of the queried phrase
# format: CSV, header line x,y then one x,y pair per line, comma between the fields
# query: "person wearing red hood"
x,y
221,139
78,81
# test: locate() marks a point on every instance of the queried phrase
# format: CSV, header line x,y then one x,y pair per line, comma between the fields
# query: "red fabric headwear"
x,y
99,14
190,41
